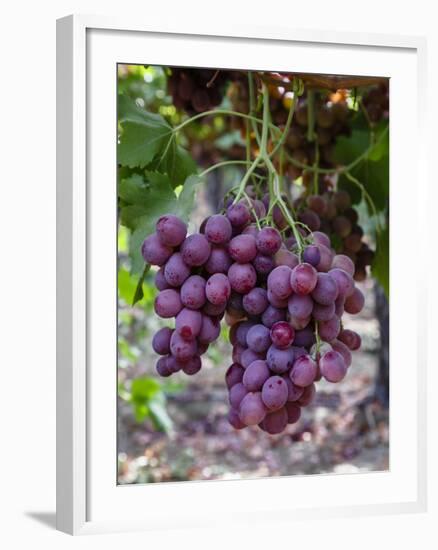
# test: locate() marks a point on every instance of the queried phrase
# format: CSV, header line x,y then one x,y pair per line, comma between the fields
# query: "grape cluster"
x,y
376,102
197,90
284,310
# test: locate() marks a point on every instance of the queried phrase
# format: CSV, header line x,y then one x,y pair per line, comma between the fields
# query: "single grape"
x,y
326,258
339,306
171,230
279,360
282,334
168,303
294,392
275,301
195,250
326,290
299,323
234,375
214,310
350,338
210,330
251,229
218,229
355,302
312,255
273,315
252,409
342,200
303,279
268,241
175,270
219,261
279,281
256,301
154,252
237,353
307,397
258,338
162,367
341,226
303,372
193,292
305,337
275,422
182,349
318,204
321,238
188,323
293,411
242,330
341,348
218,289
343,280
202,348
300,306
234,419
323,313
161,341
274,393
329,330
332,366
311,219
278,217
192,366
160,280
285,257
238,214
249,356
242,277
342,261
242,248
263,264
256,375
237,393
259,209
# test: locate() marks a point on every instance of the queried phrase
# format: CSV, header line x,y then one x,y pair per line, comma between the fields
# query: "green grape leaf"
x,y
380,267
144,135
139,293
158,413
176,162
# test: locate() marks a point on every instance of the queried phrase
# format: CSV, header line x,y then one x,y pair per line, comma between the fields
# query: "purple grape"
x,y
343,262
193,292
234,375
323,313
275,422
294,392
273,315
350,338
162,367
307,397
339,306
309,218
329,330
218,289
256,375
293,412
279,281
195,250
268,241
238,214
237,393
274,393
321,238
188,323
161,341
210,330
214,310
341,348
235,304
304,371
259,209
237,353
282,334
171,230
256,301
258,338
242,277
355,302
242,330
192,366
168,303
234,419
280,360
278,217
219,261
174,364
263,264
333,366
305,337
299,323
299,352
326,258
218,229
160,280
154,251
343,280
312,255
341,226
303,279
202,348
252,410
285,257
275,301
249,356
300,306
251,229
175,270
182,349
326,290
242,248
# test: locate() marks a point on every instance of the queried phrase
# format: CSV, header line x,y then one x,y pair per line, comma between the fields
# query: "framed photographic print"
x,y
231,266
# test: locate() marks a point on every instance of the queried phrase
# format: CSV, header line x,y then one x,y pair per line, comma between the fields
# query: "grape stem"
x,y
221,164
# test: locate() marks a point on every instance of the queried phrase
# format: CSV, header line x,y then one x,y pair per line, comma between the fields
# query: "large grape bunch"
x,y
285,310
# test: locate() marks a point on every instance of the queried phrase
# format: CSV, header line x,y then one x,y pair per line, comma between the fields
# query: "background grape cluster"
x,y
283,299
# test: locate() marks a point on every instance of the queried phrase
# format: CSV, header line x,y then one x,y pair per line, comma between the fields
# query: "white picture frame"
x,y
87,48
